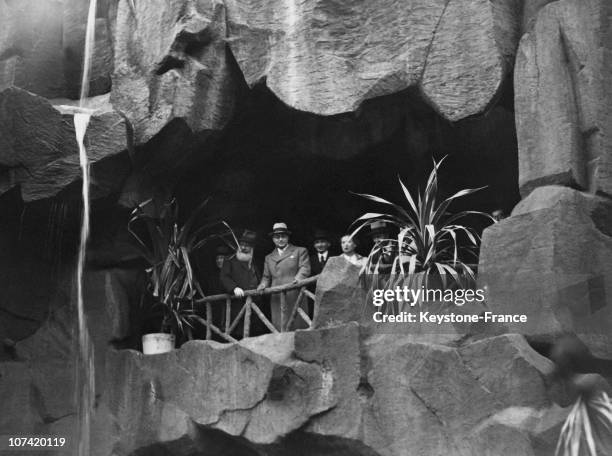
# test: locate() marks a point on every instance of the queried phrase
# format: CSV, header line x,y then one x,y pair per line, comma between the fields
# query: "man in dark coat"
x,y
319,257
285,264
239,274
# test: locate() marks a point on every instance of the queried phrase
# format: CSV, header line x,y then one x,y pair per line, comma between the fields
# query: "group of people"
x,y
286,264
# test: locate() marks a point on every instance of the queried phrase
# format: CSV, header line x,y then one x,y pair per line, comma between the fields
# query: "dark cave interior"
x,y
273,163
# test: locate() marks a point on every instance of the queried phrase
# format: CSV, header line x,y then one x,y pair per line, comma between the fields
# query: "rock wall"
x,y
328,57
563,93
550,259
334,391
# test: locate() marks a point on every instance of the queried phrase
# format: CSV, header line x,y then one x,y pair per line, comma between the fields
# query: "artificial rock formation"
x,y
340,294
334,388
328,57
37,380
38,149
552,260
563,92
170,62
41,48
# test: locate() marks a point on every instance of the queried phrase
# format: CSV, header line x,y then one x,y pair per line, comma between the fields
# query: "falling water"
x,y
85,375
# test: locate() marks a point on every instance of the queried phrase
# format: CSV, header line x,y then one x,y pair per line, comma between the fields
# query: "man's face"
x,y
498,214
246,248
348,246
321,245
280,240
219,259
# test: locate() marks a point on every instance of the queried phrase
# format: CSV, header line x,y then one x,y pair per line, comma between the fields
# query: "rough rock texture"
x,y
37,384
38,148
41,47
327,57
563,91
171,63
334,390
340,295
552,260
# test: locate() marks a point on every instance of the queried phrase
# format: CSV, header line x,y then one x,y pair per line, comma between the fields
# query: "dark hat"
x,y
222,250
279,228
248,237
378,227
321,235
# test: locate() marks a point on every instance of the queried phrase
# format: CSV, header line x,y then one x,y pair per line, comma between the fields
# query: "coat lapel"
x,y
287,253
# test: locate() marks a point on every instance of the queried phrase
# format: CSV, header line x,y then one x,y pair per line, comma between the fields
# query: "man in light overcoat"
x,y
287,263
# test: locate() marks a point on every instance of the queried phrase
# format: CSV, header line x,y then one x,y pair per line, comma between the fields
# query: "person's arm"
x,y
303,264
265,279
229,284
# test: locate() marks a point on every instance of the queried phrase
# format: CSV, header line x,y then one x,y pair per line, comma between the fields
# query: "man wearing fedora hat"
x,y
321,245
239,273
287,263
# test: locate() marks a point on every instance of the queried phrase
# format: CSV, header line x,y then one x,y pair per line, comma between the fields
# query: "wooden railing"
x,y
288,312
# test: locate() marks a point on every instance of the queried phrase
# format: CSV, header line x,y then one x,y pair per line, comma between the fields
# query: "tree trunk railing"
x,y
288,312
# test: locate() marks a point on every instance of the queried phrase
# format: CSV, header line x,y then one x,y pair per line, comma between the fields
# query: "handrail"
x,y
264,292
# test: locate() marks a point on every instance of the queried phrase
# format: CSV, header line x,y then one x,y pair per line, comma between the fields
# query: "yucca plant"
x,y
167,247
428,239
587,425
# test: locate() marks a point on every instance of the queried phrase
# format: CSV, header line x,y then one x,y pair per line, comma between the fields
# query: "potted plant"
x,y
172,288
426,246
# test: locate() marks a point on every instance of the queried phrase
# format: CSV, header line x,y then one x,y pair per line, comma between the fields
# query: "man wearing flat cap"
x,y
239,273
287,263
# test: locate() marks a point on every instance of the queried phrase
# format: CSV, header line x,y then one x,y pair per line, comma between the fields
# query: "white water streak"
x,y
84,366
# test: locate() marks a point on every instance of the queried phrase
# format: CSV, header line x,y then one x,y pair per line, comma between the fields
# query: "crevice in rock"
x,y
168,63
10,52
428,407
18,316
433,37
365,390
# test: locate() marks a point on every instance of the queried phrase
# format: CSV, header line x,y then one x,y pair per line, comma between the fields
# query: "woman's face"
x,y
348,246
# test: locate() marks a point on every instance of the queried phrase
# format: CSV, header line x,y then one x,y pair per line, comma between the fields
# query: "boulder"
x,y
340,295
41,47
334,391
38,149
170,62
328,57
552,260
562,93
267,399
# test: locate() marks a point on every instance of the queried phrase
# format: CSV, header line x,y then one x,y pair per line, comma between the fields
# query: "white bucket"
x,y
155,343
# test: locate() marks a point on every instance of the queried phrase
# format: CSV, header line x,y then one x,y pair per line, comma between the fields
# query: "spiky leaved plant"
x,y
587,425
167,247
428,236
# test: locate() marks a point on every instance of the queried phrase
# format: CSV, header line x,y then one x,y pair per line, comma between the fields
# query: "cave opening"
x,y
273,163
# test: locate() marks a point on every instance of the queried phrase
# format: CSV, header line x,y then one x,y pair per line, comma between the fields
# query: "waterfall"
x,y
84,366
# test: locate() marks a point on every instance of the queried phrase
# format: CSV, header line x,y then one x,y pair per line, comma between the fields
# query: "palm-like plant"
x,y
589,421
167,246
428,236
